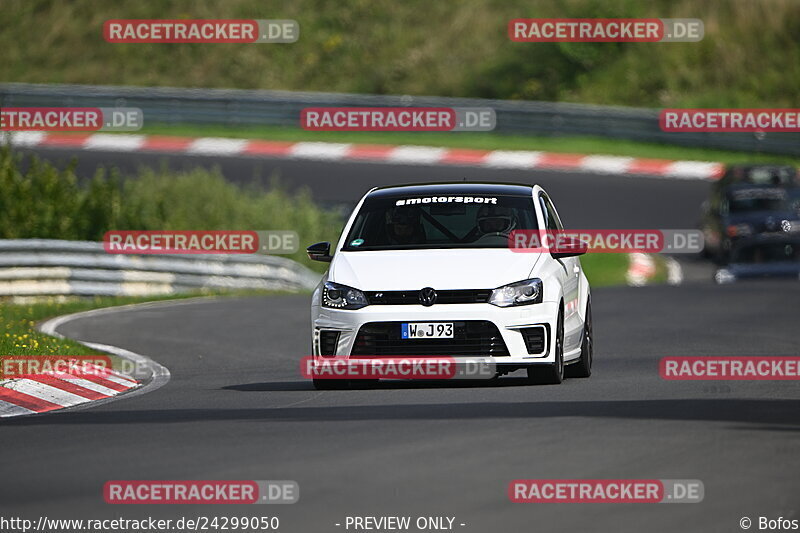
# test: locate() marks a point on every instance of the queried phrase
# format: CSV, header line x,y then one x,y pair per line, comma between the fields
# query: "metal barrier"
x,y
32,267
282,108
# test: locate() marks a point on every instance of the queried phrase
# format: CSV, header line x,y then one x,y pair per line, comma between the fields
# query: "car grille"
x,y
470,338
328,340
535,338
464,296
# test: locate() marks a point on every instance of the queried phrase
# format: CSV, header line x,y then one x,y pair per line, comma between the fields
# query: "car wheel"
x,y
551,374
583,367
331,384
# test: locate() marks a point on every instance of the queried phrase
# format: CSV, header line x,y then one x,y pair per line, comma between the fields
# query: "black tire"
x,y
583,367
551,374
363,383
331,384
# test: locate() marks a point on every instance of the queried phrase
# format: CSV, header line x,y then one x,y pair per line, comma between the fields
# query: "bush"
x,y
44,202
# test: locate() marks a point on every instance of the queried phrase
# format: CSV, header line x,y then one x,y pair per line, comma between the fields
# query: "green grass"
x,y
749,56
19,335
603,270
475,140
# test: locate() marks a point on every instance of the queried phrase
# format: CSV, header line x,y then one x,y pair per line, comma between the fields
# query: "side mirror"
x,y
569,247
562,255
320,251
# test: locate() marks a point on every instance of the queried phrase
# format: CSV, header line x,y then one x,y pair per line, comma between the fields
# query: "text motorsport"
x,y
201,492
424,368
201,242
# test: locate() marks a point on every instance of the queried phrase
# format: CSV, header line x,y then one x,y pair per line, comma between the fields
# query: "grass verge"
x,y
604,270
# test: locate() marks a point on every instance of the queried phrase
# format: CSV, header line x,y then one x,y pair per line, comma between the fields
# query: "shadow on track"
x,y
765,414
277,386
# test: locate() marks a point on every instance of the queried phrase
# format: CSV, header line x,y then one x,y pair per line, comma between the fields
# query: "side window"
x,y
553,222
545,214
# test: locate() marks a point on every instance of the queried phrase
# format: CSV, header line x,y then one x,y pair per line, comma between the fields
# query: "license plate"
x,y
426,330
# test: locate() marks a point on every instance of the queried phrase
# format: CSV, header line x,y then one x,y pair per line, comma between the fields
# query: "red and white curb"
x,y
406,155
51,392
642,269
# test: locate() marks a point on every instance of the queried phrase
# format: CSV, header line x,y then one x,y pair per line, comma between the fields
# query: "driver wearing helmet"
x,y
403,226
496,220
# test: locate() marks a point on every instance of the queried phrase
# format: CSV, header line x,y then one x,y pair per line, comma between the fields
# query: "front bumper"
x,y
509,321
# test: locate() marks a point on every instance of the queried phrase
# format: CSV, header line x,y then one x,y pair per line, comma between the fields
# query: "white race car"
x,y
426,270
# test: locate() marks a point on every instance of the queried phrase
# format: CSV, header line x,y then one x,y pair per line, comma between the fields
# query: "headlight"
x,y
525,292
342,297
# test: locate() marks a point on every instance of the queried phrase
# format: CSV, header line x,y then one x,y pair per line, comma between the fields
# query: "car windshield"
x,y
747,200
773,176
420,222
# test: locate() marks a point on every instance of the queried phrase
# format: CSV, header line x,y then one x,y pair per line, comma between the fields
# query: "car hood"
x,y
485,268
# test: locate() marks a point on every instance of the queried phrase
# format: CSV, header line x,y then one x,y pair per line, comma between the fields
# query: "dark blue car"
x,y
743,211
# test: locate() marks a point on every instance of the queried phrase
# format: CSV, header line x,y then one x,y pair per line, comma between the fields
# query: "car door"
x,y
571,268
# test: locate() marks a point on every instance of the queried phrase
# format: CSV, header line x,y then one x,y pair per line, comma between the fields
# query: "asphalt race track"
x,y
585,201
236,407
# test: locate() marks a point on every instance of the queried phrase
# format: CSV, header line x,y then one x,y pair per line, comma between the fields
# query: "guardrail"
x,y
37,267
282,108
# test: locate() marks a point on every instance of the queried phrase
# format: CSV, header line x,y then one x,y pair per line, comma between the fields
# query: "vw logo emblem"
x,y
427,296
